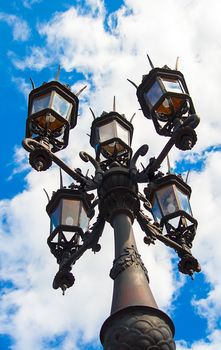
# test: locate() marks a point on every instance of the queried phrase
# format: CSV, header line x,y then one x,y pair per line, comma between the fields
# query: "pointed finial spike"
x,y
132,117
92,113
61,179
168,165
151,63
177,63
58,73
32,84
46,194
114,104
130,81
187,176
80,91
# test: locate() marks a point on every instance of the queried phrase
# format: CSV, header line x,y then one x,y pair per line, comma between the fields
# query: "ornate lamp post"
x,y
135,321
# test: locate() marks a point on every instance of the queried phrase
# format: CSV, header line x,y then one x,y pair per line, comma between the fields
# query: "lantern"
x,y
111,135
52,112
163,96
68,210
169,197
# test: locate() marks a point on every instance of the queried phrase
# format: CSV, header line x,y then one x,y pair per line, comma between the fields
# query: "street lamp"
x,y
135,320
111,136
164,97
52,112
170,206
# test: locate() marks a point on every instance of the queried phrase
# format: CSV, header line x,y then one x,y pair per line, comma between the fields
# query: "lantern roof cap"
x,y
168,179
165,70
68,193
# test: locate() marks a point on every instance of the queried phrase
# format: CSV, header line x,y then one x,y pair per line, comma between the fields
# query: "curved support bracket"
x,y
98,171
188,264
31,145
87,157
155,163
147,205
184,138
142,151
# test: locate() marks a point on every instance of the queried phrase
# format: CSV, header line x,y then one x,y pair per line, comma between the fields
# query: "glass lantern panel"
x,y
174,222
184,202
56,217
123,133
113,148
61,106
49,121
170,105
156,211
70,212
84,220
107,131
167,200
40,103
172,85
153,94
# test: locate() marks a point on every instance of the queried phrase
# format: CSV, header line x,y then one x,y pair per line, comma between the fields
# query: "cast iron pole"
x,y
135,321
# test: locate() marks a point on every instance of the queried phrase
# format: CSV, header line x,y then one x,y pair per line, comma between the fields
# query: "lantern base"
x,y
138,327
40,159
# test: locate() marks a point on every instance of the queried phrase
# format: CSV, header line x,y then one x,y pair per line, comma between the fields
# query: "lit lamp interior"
x,y
163,94
52,110
55,102
109,136
165,105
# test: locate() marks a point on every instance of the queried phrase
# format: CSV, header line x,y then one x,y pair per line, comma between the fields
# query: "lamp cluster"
x,y
52,112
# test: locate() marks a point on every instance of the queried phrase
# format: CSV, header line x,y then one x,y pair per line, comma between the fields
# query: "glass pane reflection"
x,y
41,103
167,200
84,220
172,85
107,132
156,211
184,202
56,217
123,133
153,94
61,106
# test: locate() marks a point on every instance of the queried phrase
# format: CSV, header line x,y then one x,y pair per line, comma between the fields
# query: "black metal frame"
x,y
116,180
104,120
63,91
149,111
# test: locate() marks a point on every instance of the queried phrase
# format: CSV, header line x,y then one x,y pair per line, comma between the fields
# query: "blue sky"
x,y
101,44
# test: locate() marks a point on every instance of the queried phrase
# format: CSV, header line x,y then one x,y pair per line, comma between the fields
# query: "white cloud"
x,y
78,40
20,28
206,202
213,342
20,162
29,3
22,86
37,61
